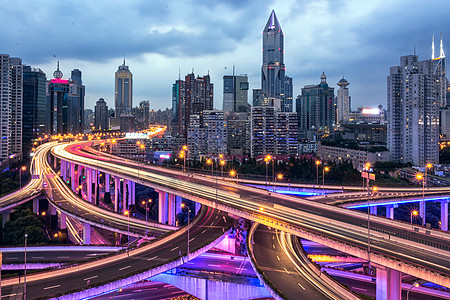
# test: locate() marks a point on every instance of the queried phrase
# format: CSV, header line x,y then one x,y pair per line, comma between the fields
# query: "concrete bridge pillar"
x,y
95,186
162,207
89,184
388,284
62,221
6,216
78,174
116,193
197,207
422,212
36,206
390,211
107,183
124,198
444,215
86,234
171,209
64,170
373,210
178,207
72,177
131,192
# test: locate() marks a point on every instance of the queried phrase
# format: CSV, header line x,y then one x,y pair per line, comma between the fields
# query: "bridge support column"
x,y
124,198
64,170
95,186
6,216
197,207
390,212
89,184
162,207
444,215
116,193
86,234
388,284
178,207
373,210
107,187
62,220
422,211
72,177
171,209
36,206
131,192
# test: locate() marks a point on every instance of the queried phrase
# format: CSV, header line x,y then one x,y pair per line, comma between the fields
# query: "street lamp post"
x,y
24,168
421,177
189,212
210,162
413,213
185,155
415,284
222,163
326,169
267,159
279,177
25,271
146,215
317,171
127,213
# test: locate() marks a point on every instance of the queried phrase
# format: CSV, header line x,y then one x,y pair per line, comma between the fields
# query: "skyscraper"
x,y
235,93
413,100
34,106
124,90
16,105
343,101
274,82
439,64
65,102
315,108
101,115
190,96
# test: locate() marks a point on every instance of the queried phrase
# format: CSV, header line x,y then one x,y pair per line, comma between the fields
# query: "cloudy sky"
x,y
356,39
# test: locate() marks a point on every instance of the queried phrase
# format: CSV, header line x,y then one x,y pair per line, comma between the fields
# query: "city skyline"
x,y
340,38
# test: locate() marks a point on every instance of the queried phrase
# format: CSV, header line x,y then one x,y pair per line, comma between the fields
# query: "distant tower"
x,y
124,90
273,79
343,101
439,65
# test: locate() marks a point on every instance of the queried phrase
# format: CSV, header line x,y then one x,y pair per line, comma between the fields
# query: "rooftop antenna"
x,y
441,53
432,48
179,73
414,49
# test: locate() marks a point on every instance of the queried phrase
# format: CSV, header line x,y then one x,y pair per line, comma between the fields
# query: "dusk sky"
x,y
357,39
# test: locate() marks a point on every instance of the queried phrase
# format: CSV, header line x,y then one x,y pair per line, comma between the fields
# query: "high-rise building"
x,y
34,106
343,102
16,105
439,64
235,93
123,90
65,100
101,115
238,134
273,131
315,108
413,100
191,97
142,114
276,86
11,101
257,97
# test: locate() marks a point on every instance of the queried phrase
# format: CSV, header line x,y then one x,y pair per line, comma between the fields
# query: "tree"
x,y
24,221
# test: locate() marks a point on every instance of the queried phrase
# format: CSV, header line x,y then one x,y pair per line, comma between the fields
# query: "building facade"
x,y
235,93
413,111
275,85
315,108
34,106
343,102
123,90
101,115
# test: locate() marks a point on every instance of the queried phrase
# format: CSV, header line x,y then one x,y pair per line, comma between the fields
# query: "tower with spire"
x,y
276,86
343,102
123,90
439,65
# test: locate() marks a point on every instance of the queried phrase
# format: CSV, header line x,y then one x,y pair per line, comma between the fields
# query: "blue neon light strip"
x,y
398,202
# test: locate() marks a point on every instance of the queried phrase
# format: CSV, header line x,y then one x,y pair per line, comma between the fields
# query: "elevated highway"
x,y
392,244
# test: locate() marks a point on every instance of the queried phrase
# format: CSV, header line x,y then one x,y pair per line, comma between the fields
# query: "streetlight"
x,y
317,171
210,162
185,150
25,272
267,159
24,168
189,212
222,163
414,213
183,156
415,284
419,176
279,177
326,169
374,190
146,215
127,213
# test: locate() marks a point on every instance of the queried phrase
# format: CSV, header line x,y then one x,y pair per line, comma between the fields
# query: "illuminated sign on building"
x,y
370,111
136,135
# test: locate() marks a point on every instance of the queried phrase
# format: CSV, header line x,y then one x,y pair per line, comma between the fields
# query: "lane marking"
x,y
204,231
286,271
278,257
359,289
152,258
191,239
124,268
62,257
174,248
37,257
273,246
301,286
11,295
217,266
52,287
89,278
